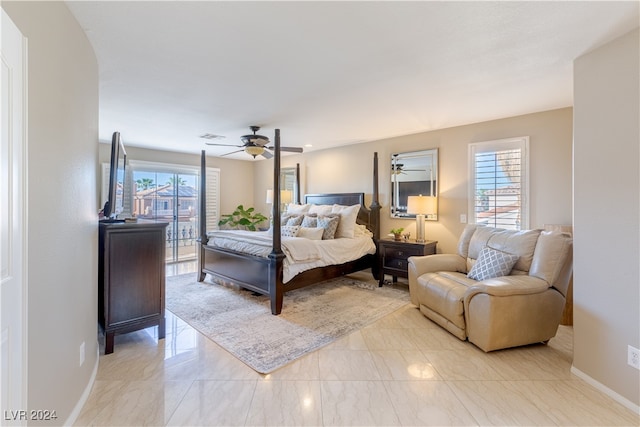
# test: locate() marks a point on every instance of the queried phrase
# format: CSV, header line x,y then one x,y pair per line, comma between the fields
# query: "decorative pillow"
x,y
329,223
348,216
310,221
320,209
295,220
289,230
293,208
311,233
285,217
290,219
492,263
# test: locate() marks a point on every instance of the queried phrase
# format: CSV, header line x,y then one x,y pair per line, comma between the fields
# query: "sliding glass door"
x,y
171,196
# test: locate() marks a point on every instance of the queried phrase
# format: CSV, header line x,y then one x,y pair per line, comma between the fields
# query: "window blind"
x,y
212,203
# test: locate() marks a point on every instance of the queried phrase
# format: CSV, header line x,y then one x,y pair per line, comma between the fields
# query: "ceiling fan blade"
x,y
289,149
223,145
233,152
266,154
292,149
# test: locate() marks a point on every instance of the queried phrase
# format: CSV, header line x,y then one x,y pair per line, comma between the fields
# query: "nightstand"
x,y
393,256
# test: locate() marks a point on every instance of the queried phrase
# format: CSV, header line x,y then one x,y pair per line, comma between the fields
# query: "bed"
x,y
265,274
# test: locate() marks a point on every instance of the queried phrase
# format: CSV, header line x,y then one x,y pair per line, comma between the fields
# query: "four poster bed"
x,y
275,268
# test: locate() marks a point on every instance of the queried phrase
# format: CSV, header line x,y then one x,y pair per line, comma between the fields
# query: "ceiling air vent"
x,y
212,136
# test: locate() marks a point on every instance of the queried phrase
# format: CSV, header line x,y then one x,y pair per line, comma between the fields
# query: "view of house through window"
x,y
171,197
498,183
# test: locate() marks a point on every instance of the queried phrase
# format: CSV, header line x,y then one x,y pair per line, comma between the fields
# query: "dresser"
x,y
131,278
393,256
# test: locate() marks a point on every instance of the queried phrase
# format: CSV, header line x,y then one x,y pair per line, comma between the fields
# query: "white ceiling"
x,y
332,73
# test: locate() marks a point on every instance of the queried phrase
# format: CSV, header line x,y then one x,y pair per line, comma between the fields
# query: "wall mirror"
x,y
413,174
289,187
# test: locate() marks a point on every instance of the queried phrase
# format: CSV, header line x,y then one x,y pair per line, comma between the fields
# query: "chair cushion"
x,y
492,263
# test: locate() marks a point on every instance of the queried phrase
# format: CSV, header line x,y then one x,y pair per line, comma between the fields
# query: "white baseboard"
x,y
85,394
606,390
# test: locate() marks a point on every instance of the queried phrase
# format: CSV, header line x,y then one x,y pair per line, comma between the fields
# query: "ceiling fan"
x,y
256,145
398,168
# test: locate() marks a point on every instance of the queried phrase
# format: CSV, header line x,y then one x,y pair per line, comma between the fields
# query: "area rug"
x,y
241,321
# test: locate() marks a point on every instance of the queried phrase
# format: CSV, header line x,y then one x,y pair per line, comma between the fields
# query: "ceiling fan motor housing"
x,y
255,139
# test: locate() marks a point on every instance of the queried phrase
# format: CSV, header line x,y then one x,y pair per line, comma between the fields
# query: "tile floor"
x,y
401,370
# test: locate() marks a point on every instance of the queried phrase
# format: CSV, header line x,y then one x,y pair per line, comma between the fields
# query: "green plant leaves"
x,y
242,217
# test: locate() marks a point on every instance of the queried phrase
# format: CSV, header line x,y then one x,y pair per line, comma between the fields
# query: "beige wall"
x,y
236,176
349,168
607,224
62,225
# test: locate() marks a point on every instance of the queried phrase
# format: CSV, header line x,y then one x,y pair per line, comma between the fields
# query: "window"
x,y
170,192
499,184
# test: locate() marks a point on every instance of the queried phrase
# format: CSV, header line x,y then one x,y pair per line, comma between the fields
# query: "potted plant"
x,y
242,218
397,233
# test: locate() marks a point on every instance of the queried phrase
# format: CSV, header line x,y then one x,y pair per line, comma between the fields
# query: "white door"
x,y
13,225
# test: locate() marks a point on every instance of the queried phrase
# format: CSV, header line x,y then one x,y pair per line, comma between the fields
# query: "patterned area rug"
x,y
311,317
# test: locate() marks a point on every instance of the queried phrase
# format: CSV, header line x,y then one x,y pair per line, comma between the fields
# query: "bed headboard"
x,y
370,218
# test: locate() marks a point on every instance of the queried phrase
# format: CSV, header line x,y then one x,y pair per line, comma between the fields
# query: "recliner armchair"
x,y
522,304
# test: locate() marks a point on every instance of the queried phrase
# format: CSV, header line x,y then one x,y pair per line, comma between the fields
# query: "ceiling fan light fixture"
x,y
254,150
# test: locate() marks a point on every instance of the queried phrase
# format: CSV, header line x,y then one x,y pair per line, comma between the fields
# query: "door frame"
x,y
13,277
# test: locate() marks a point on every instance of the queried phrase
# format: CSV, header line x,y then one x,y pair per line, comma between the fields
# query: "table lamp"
x,y
421,206
286,197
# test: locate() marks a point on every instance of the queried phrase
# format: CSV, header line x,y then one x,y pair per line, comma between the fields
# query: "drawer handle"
x,y
400,253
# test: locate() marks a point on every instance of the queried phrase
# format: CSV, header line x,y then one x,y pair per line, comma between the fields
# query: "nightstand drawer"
x,y
402,253
396,264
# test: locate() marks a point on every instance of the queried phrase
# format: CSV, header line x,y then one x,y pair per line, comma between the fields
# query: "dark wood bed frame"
x,y
264,275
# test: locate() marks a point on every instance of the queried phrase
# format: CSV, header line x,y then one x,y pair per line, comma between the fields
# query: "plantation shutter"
x,y
212,203
127,193
498,192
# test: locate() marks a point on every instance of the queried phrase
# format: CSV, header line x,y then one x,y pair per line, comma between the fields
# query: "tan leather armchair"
x,y
523,306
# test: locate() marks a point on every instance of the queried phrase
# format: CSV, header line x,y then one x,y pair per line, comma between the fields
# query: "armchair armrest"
x,y
418,265
510,311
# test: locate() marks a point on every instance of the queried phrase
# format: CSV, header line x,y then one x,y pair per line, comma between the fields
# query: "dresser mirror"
x,y
413,174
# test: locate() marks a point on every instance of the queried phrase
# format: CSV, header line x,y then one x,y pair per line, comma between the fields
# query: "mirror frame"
x,y
431,168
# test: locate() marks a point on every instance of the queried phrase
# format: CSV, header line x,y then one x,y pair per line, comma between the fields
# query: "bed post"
x,y
202,238
375,214
375,204
276,257
298,191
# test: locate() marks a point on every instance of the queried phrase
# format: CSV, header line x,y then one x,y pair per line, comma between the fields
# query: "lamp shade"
x,y
421,205
286,196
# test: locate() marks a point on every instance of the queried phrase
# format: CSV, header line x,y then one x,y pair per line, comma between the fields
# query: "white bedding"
x,y
301,254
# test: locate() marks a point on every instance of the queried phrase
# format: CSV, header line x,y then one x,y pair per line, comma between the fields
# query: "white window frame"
x,y
521,143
